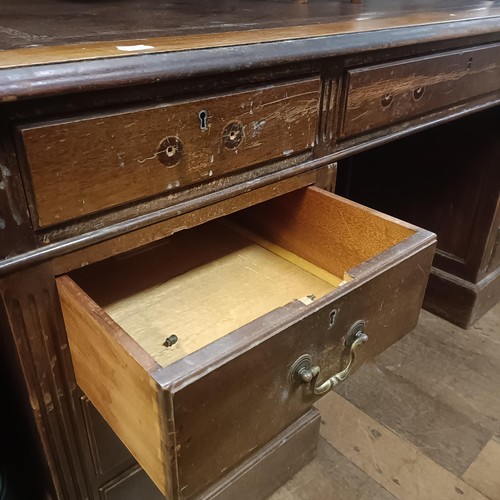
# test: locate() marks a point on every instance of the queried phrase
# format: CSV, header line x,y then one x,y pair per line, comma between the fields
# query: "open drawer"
x,y
257,303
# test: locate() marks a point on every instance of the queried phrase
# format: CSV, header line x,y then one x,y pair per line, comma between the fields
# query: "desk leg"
x,y
32,332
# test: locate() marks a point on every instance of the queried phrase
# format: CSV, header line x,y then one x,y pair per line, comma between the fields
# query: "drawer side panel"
x,y
118,386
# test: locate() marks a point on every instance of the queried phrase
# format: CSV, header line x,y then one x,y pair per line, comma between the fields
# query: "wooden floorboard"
x,y
392,461
420,422
445,435
331,476
484,472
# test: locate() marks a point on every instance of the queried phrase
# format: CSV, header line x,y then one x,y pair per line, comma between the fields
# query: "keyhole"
x,y
203,116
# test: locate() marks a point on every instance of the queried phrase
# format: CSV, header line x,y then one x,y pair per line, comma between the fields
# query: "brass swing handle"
x,y
356,338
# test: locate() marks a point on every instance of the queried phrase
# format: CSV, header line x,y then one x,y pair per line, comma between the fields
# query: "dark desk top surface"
x,y
39,27
43,42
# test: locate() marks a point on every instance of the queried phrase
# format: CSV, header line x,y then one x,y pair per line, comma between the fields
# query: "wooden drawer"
x,y
246,297
384,94
86,164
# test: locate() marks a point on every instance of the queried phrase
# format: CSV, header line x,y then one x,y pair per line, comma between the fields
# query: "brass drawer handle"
x,y
305,373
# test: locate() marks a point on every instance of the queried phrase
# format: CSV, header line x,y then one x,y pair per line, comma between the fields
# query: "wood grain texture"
x,y
450,184
435,379
494,261
84,165
218,279
211,390
329,104
482,474
326,230
173,203
149,68
460,371
123,390
109,454
400,409
200,285
286,255
436,392
30,319
115,35
194,217
386,303
331,476
130,485
16,235
459,301
384,94
394,463
271,465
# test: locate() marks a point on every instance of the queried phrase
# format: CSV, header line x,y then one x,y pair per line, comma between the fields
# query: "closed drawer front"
x,y
86,164
388,93
131,485
246,298
109,455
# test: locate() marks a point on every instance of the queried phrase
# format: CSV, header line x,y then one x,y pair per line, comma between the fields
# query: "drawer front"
x,y
191,420
131,485
108,452
84,165
384,94
221,417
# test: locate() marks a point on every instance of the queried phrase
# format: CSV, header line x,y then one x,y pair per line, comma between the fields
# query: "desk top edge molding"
x,y
32,72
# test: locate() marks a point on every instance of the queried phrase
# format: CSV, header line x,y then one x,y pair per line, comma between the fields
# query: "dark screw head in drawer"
x,y
170,341
170,151
233,135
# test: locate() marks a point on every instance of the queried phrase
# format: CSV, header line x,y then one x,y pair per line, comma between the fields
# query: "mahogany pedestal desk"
x,y
179,283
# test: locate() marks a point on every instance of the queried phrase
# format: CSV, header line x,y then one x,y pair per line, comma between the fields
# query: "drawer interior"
x,y
203,283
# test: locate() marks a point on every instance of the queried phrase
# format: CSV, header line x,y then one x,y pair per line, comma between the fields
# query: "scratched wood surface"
x,y
125,155
387,93
45,32
419,423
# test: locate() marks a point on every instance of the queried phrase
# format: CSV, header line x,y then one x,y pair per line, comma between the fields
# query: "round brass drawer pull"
x,y
305,373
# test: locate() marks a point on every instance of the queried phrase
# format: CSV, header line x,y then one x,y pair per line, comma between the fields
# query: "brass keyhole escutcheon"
x,y
233,135
386,100
170,151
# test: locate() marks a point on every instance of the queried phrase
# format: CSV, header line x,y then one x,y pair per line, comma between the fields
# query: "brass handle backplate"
x,y
302,370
